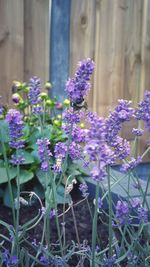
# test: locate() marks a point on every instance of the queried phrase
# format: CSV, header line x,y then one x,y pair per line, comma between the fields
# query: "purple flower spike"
x,y
8,259
44,153
78,86
143,111
15,123
122,212
84,188
34,91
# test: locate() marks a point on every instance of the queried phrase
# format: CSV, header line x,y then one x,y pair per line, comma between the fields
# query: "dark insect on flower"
x,y
79,104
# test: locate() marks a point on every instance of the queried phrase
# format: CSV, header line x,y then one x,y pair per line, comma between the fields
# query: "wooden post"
x,y
59,47
11,45
36,36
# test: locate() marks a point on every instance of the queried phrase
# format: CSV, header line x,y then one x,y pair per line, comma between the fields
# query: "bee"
x,y
79,104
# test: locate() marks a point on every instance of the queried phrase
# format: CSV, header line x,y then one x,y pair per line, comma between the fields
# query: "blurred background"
x,y
47,38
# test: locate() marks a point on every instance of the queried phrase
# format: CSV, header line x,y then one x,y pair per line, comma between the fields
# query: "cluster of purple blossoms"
x,y
17,159
79,85
70,117
34,91
8,259
75,151
142,212
44,260
44,153
96,147
132,164
60,150
37,110
122,212
84,190
121,148
143,110
109,262
16,125
122,113
78,134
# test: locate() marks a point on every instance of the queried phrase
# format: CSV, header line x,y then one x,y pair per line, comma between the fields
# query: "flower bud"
x,y
82,125
56,122
59,117
43,96
67,102
15,86
49,102
16,98
58,105
48,85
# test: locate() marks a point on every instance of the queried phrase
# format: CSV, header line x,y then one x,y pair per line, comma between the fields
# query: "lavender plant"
x,y
59,150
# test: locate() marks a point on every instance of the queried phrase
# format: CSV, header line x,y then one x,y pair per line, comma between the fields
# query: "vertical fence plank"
x,y
145,66
59,47
82,33
36,36
109,54
11,45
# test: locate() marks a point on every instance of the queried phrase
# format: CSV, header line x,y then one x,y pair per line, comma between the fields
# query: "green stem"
x,y
18,210
75,225
66,156
110,213
94,226
56,217
8,176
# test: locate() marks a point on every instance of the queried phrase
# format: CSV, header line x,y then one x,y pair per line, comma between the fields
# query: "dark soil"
x,y
83,221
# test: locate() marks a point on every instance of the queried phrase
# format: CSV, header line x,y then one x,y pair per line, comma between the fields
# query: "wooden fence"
x,y
24,42
115,33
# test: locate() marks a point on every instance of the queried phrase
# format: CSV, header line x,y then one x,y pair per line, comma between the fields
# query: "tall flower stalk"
x,y
15,124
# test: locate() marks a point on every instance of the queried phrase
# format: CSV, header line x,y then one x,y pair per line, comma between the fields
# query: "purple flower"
x,y
60,150
37,110
78,134
57,168
122,212
137,132
84,188
44,260
98,173
44,153
17,159
52,213
34,242
71,117
131,164
121,148
123,112
34,91
109,262
8,259
135,202
15,123
143,110
142,214
78,86
75,151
